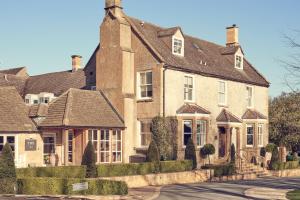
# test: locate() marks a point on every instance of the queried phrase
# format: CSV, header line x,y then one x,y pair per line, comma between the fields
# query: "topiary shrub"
x,y
7,171
232,153
190,153
270,147
207,150
275,158
89,160
263,152
153,156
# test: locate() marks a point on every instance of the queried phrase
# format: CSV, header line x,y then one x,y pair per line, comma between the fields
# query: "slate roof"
x,y
228,117
13,112
82,108
192,109
39,110
7,80
13,71
253,114
202,57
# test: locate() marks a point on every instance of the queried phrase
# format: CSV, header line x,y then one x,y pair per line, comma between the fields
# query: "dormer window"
x,y
239,61
178,46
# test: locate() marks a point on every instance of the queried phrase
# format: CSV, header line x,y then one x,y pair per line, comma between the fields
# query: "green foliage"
x,y
270,147
7,163
232,153
221,170
89,160
283,166
275,158
207,150
295,157
59,186
190,153
153,156
172,125
130,169
263,152
58,172
7,185
293,195
284,115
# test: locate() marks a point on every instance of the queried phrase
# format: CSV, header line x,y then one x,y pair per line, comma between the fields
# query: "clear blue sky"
x,y
42,35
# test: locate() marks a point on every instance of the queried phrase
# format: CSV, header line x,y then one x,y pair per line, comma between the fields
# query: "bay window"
x,y
49,147
104,146
70,145
201,133
117,146
260,135
187,131
250,135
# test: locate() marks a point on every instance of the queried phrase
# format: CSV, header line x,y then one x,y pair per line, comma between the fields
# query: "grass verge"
x,y
293,195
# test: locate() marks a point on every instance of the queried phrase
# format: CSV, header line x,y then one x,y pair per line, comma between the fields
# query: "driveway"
x,y
227,190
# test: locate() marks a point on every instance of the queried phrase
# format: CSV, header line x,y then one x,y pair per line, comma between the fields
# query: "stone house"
x,y
140,71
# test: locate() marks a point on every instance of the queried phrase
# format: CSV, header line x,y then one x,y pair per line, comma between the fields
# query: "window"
x,y
145,80
1,142
222,93
188,88
187,131
250,134
116,146
249,96
49,148
104,146
41,99
201,133
94,88
145,134
8,139
27,101
47,99
260,135
35,101
93,137
238,61
70,145
178,46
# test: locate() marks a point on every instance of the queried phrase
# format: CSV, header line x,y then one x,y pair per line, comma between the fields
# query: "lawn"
x,y
294,195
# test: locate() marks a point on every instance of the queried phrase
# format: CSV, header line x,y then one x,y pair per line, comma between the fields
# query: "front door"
x,y
222,142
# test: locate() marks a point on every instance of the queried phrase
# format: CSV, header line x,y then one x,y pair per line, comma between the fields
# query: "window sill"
x,y
144,100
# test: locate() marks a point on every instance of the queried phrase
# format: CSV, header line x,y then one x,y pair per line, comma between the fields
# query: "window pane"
x,y
187,127
149,78
143,78
250,135
1,140
149,91
143,91
186,138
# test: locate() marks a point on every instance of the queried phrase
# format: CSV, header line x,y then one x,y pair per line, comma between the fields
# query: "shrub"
x,y
222,170
58,172
176,166
232,153
295,156
263,152
275,157
58,186
207,150
270,147
172,125
283,166
153,155
89,160
190,154
7,170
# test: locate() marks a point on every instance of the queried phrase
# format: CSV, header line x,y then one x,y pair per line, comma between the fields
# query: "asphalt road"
x,y
227,190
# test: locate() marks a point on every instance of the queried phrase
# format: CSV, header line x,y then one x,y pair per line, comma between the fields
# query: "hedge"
x,y
286,165
57,172
7,186
221,170
111,170
60,186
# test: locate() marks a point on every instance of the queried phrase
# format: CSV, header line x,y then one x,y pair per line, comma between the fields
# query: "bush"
x,y
110,170
7,170
207,150
58,186
263,152
153,155
58,172
270,147
89,160
275,157
190,154
283,166
221,170
232,153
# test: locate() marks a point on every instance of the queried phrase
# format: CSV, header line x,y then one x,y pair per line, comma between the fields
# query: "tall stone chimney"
x,y
76,62
115,6
232,35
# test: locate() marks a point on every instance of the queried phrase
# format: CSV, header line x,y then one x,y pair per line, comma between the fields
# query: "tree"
x,y
208,150
284,119
89,160
190,153
275,158
7,171
153,156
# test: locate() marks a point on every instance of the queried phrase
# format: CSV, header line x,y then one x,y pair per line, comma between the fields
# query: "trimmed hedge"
x,y
60,186
57,172
7,186
111,170
286,165
221,170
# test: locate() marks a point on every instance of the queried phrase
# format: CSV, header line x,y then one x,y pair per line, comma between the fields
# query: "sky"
x,y
42,35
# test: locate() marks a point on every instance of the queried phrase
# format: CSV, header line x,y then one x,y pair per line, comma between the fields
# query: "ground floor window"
x,y
260,135
117,146
49,147
11,140
201,133
70,145
105,146
250,134
187,131
145,134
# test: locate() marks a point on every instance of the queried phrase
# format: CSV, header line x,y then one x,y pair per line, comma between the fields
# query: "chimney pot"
x,y
232,35
76,62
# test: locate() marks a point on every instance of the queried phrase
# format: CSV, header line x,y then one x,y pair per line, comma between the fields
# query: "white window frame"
x,y
71,132
49,135
173,46
92,131
242,61
116,150
252,97
253,128
193,88
143,133
105,140
202,134
139,85
221,92
183,133
260,135
16,144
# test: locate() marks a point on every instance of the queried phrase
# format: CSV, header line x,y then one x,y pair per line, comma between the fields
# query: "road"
x,y
227,190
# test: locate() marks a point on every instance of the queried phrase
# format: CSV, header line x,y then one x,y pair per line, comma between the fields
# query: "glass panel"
x,y
149,78
143,78
1,140
250,135
187,128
